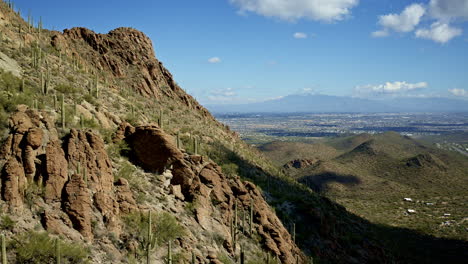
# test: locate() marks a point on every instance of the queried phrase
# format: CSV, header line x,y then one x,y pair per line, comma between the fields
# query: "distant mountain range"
x,y
335,104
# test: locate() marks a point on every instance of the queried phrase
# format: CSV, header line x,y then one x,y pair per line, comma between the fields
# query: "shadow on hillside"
x,y
331,234
319,183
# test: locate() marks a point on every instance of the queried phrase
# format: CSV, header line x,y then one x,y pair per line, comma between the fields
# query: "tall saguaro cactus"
x,y
63,111
58,257
169,253
178,140
251,217
4,256
160,120
150,240
294,232
195,146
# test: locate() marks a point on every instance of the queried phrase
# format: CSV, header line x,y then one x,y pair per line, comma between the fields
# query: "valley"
x,y
447,130
414,179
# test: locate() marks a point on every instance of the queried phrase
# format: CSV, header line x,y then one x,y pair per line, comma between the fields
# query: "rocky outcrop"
x,y
56,171
13,183
153,149
125,52
300,163
202,182
77,205
33,154
124,196
426,160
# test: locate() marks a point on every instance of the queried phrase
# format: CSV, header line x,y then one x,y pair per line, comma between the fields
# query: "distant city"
x,y
261,128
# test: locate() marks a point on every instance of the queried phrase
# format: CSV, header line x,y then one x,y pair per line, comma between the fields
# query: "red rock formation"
x,y
203,183
34,150
124,196
56,172
87,149
78,205
153,149
13,183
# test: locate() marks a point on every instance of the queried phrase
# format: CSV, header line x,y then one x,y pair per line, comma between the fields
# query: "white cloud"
x,y
404,22
391,87
300,35
439,32
449,9
292,10
214,60
272,98
228,92
459,92
380,33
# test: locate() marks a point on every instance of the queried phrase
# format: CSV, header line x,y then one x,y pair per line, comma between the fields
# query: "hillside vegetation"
x,y
371,175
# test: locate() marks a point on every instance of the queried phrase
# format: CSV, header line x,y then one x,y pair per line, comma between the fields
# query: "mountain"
x,y
334,104
105,159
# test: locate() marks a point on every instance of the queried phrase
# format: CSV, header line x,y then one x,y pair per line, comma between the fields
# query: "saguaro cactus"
x,y
160,120
150,240
63,111
251,217
178,140
58,257
195,146
4,256
81,121
169,253
294,232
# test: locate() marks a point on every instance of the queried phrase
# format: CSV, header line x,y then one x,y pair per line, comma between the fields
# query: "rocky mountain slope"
x,y
97,137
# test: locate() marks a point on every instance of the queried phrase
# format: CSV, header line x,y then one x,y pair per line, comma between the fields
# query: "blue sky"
x,y
237,51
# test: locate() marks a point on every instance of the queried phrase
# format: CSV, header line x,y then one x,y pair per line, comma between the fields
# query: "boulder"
x,y
153,149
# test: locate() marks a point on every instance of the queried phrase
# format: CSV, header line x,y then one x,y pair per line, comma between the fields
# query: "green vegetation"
x,y
370,176
6,223
152,230
39,247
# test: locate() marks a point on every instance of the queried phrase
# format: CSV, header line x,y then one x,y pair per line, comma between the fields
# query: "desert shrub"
x,y
225,259
32,192
66,89
230,169
126,171
164,225
9,82
6,223
91,99
38,247
120,148
90,123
